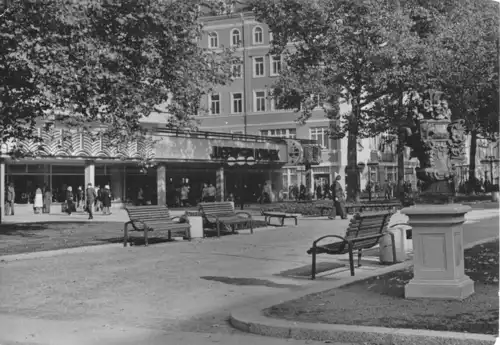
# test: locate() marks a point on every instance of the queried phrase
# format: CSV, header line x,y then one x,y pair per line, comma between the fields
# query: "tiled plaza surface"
x,y
161,288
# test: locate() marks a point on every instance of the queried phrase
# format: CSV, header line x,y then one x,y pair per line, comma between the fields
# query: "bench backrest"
x,y
148,213
367,224
216,208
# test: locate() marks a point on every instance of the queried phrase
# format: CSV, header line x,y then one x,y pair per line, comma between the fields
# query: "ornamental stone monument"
x,y
439,145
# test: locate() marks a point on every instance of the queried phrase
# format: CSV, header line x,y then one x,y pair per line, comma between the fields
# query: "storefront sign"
x,y
225,152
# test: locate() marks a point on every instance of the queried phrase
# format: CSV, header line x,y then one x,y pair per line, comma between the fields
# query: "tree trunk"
x,y
472,161
352,185
401,150
352,173
401,170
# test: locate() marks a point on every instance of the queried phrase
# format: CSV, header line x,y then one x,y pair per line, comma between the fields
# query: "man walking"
x,y
90,196
338,199
10,198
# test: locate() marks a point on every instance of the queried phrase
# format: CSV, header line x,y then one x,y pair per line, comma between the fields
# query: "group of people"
x,y
92,198
89,200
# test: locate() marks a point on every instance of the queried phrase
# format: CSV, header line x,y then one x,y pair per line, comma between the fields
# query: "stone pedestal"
x,y
438,252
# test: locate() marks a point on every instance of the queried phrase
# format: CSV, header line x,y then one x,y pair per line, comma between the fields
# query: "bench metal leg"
x,y
351,258
359,257
169,235
251,226
295,221
146,236
218,229
283,221
313,266
125,234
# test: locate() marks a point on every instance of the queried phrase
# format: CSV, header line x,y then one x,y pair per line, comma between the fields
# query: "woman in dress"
x,y
47,200
106,200
38,203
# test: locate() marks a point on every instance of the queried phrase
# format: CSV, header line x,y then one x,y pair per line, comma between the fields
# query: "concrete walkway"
x,y
169,287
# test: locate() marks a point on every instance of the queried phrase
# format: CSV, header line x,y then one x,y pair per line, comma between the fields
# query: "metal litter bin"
x,y
403,244
196,222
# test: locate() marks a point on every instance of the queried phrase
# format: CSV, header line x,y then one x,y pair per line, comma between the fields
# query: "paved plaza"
x,y
146,294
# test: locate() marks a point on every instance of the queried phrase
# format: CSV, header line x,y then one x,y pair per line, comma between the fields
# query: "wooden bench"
x,y
268,214
154,218
223,214
353,208
364,232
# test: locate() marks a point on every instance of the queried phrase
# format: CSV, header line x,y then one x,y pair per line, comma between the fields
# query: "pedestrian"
x,y
69,200
184,195
10,196
338,200
38,201
140,197
90,196
211,192
47,199
106,200
79,197
97,190
204,193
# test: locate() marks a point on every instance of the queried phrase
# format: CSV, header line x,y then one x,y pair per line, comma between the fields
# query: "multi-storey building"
x,y
246,106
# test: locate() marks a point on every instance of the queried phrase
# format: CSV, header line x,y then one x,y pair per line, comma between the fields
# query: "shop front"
x,y
156,167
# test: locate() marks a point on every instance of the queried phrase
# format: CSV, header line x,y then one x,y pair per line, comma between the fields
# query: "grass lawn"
x,y
43,236
379,301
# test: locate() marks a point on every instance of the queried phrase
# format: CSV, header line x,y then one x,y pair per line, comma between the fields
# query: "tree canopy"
x,y
103,63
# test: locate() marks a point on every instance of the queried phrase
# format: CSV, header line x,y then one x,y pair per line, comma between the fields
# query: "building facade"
x,y
246,106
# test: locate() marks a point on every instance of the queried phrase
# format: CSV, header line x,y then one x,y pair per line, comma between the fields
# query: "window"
x,y
317,101
271,38
214,104
260,101
275,65
274,103
236,69
391,174
258,37
237,103
258,67
235,37
322,137
213,40
280,133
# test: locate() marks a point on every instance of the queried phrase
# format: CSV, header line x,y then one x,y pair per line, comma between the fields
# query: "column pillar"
x,y
117,183
161,184
219,184
89,173
2,190
288,179
437,235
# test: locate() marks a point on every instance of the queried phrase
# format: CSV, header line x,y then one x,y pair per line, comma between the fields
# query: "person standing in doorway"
x,y
69,200
211,193
10,196
339,198
47,199
90,196
140,197
38,201
106,200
